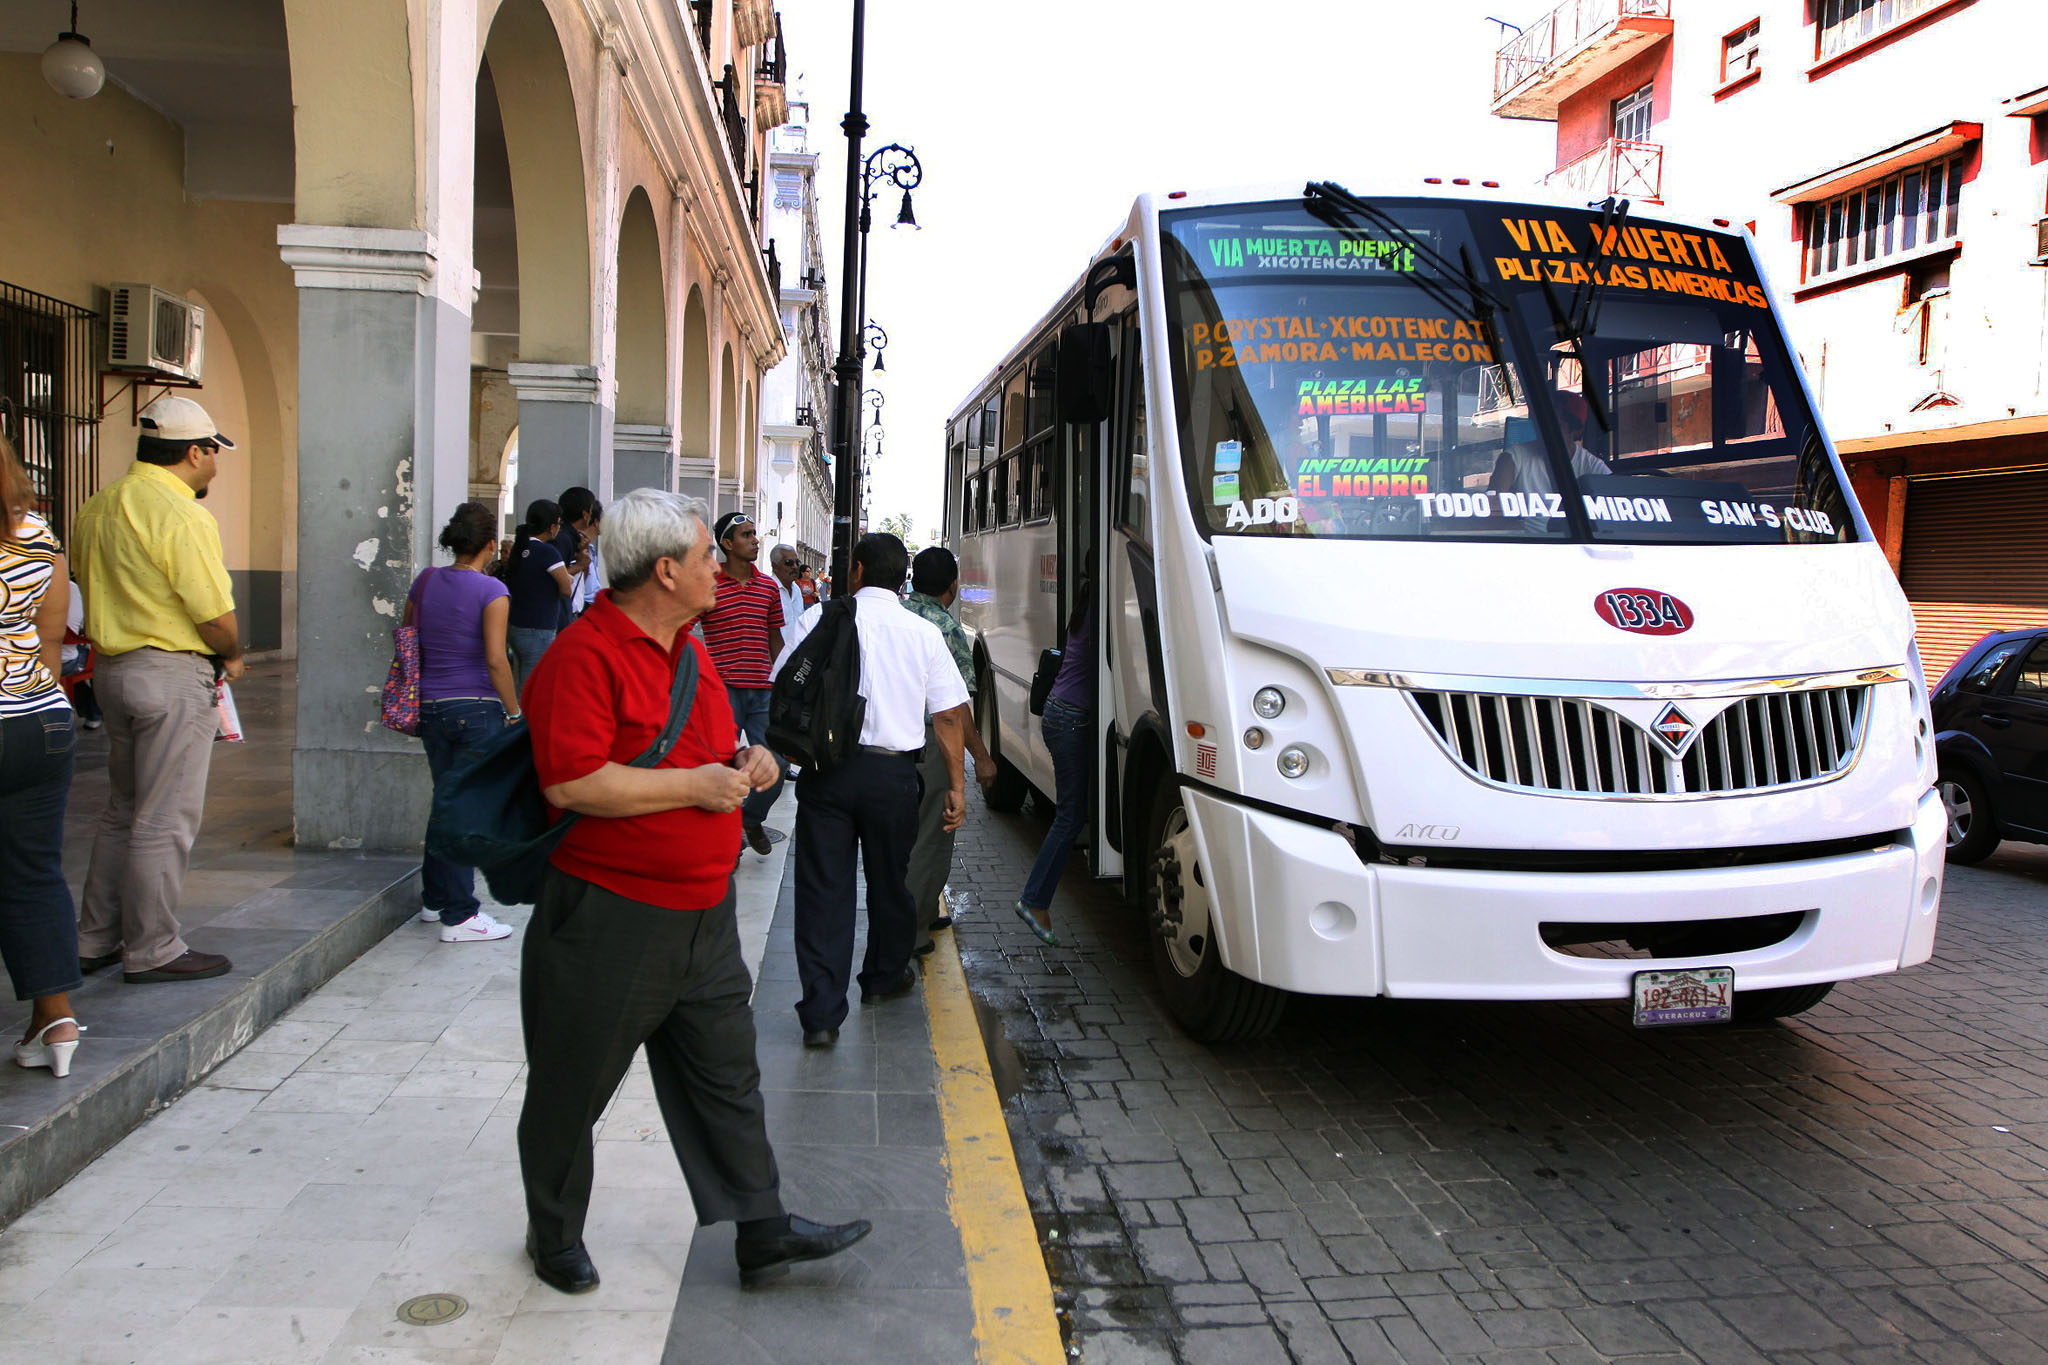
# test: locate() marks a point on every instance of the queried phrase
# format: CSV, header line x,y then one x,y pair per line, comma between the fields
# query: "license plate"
x,y
1697,995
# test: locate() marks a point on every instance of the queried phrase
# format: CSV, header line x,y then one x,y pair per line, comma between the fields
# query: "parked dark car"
x,y
1991,733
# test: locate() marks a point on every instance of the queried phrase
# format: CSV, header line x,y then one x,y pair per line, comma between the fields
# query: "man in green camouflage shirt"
x,y
934,583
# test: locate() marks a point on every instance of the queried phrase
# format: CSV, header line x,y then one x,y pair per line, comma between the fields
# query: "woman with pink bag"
x,y
466,695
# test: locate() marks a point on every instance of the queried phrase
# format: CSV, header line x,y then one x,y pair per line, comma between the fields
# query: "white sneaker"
x,y
478,928
430,916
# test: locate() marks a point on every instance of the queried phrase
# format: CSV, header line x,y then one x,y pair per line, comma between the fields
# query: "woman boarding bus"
x,y
1485,613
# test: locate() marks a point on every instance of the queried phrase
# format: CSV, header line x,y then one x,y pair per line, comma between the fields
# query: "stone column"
x,y
564,423
383,372
642,457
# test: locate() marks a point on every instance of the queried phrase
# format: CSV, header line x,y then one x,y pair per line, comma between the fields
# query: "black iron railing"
x,y
774,272
735,119
49,397
700,15
774,65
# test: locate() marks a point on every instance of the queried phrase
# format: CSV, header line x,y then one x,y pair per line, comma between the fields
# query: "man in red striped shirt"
x,y
744,636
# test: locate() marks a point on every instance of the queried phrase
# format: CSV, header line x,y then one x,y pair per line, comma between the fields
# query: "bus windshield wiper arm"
x,y
1327,199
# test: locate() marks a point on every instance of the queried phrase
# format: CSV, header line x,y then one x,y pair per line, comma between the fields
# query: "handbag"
x,y
490,814
1042,681
400,703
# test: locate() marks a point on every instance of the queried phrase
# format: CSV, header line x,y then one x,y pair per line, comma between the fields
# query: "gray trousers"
x,y
160,726
931,858
601,975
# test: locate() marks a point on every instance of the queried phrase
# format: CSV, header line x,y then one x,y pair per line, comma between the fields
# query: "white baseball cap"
x,y
171,418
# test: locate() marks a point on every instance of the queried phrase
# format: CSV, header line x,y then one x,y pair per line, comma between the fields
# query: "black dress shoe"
x,y
820,1037
902,985
569,1270
924,950
757,839
942,922
766,1257
89,965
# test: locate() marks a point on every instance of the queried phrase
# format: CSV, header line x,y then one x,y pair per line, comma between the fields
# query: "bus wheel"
x,y
1213,1003
1007,793
1756,1007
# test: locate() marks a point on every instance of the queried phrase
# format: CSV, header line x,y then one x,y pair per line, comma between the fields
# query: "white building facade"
x,y
792,497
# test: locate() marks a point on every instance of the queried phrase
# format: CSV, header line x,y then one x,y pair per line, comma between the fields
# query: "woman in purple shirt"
x,y
466,695
1065,726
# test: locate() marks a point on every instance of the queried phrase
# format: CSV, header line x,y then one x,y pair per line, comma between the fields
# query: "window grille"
x,y
49,398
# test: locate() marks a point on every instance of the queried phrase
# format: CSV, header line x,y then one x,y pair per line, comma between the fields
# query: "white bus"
x,y
1486,614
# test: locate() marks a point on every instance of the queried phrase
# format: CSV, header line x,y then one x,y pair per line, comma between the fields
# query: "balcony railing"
x,y
774,65
735,121
700,15
771,102
1633,170
1574,27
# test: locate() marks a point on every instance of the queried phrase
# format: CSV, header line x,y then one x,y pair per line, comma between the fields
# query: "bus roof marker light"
x,y
1461,181
1432,180
1177,194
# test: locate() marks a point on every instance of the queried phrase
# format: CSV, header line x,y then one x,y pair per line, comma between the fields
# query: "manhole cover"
x,y
430,1310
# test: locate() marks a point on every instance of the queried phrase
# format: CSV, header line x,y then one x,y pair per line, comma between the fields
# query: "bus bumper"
x,y
1322,922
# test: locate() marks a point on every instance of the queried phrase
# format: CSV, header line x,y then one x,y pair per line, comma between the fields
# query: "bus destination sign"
x,y
1226,250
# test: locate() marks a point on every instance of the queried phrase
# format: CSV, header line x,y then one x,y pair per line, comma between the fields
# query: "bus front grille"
x,y
1572,745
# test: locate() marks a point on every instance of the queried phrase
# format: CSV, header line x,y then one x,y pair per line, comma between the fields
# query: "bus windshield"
x,y
1485,371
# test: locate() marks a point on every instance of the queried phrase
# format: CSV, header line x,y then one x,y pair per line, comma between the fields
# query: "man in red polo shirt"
x,y
744,634
633,939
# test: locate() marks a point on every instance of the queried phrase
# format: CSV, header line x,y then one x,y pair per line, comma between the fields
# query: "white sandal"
x,y
56,1056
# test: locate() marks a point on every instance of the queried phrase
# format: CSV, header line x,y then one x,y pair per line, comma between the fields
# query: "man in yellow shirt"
x,y
160,609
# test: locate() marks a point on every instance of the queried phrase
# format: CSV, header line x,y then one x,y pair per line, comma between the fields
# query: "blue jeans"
x,y
38,926
1067,731
526,644
453,730
750,714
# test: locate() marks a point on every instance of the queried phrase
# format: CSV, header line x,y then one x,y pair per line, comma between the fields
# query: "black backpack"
x,y
815,710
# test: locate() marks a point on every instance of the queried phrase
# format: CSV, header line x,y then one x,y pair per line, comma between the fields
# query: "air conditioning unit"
x,y
149,329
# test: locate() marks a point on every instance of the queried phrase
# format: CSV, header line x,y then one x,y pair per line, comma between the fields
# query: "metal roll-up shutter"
x,y
1974,558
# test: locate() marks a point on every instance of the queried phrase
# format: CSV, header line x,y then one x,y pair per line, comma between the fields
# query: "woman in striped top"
x,y
38,926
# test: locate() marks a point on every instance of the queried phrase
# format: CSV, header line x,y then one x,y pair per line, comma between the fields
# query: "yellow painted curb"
x,y
1014,1323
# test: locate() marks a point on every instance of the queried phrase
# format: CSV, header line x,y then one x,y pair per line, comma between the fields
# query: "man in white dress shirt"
x,y
870,803
782,562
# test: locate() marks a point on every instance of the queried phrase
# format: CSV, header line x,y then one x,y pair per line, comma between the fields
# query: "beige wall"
x,y
96,194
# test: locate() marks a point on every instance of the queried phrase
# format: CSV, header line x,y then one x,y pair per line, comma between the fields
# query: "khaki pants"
x,y
160,727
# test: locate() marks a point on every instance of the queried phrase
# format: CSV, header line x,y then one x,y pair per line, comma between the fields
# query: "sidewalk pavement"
x,y
356,1159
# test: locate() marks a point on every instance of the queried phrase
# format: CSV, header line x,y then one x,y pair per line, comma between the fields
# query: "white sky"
x,y
1038,124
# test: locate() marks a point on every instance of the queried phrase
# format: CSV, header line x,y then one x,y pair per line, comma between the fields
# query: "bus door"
x,y
1082,522
1130,675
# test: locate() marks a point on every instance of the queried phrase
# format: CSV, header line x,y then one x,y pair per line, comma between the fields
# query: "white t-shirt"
x,y
906,670
792,604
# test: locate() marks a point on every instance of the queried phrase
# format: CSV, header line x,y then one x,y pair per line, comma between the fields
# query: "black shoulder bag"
x,y
489,814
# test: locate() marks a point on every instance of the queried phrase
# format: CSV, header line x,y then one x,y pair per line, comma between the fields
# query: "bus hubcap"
x,y
1180,911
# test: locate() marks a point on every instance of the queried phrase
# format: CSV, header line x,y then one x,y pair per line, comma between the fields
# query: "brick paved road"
x,y
1388,1181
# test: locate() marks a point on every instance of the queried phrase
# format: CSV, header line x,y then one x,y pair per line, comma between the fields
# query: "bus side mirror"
x,y
1085,384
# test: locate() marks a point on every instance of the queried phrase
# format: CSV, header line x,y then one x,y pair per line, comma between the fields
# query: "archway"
x,y
728,432
694,469
640,439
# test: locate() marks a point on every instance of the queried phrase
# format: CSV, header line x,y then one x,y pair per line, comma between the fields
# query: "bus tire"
x,y
1778,1002
1211,1002
1006,794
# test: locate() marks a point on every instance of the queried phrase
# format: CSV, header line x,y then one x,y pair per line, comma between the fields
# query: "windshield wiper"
x,y
1584,315
1327,200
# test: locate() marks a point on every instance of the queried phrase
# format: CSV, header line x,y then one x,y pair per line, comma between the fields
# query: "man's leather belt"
x,y
891,753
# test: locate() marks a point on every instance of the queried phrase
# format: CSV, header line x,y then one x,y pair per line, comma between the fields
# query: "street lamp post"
x,y
874,338
896,165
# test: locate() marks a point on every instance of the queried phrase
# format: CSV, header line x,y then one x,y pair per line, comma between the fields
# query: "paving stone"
x,y
1504,1183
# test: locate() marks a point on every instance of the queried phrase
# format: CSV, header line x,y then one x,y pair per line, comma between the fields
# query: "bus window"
x,y
1013,412
999,495
1028,461
1040,370
1135,516
990,416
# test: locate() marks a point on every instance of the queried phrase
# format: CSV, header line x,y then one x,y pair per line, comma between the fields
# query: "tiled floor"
x,y
355,1154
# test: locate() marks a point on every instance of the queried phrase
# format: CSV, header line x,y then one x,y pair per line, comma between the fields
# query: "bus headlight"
x,y
1268,703
1294,761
